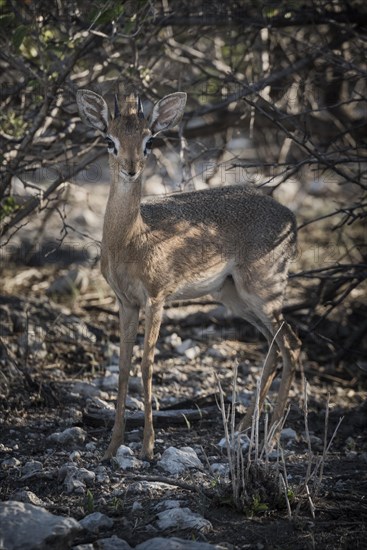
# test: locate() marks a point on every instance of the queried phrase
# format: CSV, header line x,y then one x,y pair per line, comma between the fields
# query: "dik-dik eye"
x,y
148,145
111,145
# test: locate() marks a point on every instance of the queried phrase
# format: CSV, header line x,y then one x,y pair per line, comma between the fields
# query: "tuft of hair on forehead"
x,y
129,105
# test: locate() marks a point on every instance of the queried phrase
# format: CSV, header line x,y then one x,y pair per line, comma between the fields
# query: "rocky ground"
x,y
59,369
59,363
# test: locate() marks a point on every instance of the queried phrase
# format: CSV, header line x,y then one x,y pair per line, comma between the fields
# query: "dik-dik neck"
x,y
123,221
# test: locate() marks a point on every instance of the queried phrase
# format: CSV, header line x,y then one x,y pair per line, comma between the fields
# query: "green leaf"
x,y
19,35
6,19
7,207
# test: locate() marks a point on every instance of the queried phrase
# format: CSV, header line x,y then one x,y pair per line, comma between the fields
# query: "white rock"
x,y
168,504
76,479
147,487
88,476
74,280
31,467
12,462
113,368
96,521
288,434
113,543
239,440
69,436
219,469
28,497
184,346
193,352
174,543
315,441
126,460
137,507
101,474
134,404
87,389
182,518
217,353
277,455
177,461
173,340
75,455
98,403
4,448
28,527
109,381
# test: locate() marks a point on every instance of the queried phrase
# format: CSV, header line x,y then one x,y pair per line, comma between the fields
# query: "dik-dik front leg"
x,y
153,319
129,320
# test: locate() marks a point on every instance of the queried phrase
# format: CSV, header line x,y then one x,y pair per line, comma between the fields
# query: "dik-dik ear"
x,y
93,109
168,112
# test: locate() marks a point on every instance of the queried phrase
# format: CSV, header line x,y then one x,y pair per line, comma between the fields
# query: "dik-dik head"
x,y
128,133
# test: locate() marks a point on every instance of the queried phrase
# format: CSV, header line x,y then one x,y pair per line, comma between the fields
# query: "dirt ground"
x,y
52,341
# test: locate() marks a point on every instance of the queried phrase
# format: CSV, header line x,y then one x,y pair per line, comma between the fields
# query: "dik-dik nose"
x,y
131,167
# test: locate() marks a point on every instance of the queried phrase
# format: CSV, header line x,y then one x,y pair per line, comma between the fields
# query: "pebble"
x,y
219,469
96,521
112,543
137,507
182,518
134,404
10,462
4,448
174,543
177,461
74,436
184,346
217,353
75,455
109,381
28,497
288,435
76,479
67,285
193,352
126,460
168,504
87,389
174,340
102,474
30,468
243,441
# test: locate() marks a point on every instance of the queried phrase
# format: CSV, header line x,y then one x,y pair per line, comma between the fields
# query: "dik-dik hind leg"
x,y
267,376
290,347
249,307
153,319
129,320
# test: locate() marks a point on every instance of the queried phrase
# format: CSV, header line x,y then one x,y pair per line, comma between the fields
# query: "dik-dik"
x,y
231,242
